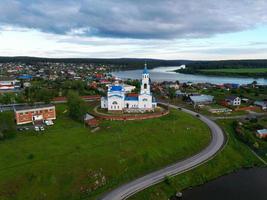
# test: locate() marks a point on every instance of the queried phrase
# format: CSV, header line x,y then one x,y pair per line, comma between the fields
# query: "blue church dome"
x,y
145,70
116,88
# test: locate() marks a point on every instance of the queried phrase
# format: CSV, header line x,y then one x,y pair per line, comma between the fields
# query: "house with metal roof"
x,y
262,133
233,100
201,99
262,104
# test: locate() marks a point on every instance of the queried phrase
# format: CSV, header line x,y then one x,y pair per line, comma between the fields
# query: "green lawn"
x,y
238,70
234,156
70,162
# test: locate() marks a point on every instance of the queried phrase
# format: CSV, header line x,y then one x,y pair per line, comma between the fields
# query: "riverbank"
x,y
234,156
231,72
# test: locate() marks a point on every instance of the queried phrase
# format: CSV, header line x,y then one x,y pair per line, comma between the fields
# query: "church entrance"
x,y
127,105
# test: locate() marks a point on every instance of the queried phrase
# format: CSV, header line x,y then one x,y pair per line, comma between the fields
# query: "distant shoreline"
x,y
224,73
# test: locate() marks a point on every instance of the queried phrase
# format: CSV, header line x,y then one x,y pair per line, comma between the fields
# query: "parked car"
x,y
49,122
36,128
26,128
42,128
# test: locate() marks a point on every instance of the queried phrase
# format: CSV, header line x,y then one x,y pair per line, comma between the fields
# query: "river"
x,y
250,184
160,74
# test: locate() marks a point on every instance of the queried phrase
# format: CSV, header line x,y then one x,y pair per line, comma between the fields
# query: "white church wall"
x,y
131,104
145,101
104,102
116,96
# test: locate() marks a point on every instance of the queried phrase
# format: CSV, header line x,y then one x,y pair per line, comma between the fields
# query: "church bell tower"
x,y
145,87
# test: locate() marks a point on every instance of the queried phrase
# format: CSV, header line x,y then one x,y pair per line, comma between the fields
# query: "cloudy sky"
x,y
166,29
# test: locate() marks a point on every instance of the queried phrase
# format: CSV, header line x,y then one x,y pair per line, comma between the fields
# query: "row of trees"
x,y
198,66
45,91
227,64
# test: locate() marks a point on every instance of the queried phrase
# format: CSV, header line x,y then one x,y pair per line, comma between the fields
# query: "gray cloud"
x,y
143,19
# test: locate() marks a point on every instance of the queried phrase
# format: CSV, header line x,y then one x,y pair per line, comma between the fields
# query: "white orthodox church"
x,y
118,100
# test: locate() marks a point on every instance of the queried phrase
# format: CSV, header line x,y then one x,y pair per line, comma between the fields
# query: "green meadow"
x,y
68,161
234,156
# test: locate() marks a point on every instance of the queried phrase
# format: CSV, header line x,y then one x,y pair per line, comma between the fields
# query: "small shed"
x,y
90,120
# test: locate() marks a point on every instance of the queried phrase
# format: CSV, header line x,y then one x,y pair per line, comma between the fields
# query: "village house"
x,y
261,104
34,114
233,101
201,99
175,85
9,84
261,133
179,93
128,88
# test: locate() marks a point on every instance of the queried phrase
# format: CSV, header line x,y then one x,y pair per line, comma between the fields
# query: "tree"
x,y
44,95
77,106
171,92
6,98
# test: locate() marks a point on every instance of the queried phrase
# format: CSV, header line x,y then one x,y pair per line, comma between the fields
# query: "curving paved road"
x,y
217,142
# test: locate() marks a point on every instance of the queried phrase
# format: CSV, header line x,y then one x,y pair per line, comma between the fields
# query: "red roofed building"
x,y
30,114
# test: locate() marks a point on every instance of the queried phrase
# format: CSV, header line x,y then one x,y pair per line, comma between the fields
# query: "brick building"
x,y
32,114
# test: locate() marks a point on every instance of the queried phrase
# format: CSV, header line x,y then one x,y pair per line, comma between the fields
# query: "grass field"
x,y
234,156
70,162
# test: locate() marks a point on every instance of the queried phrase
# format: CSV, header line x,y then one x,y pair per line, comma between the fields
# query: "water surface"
x,y
248,184
160,74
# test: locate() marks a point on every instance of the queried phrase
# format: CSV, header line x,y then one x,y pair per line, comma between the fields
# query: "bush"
x,y
9,133
30,156
2,136
254,120
167,180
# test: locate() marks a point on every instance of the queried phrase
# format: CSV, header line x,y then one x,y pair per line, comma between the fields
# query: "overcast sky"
x,y
165,29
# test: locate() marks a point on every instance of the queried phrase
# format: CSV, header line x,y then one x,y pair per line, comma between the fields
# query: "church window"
x,y
145,86
114,103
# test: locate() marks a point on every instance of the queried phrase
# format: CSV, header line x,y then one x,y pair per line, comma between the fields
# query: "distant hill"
x,y
248,68
136,63
127,63
260,63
